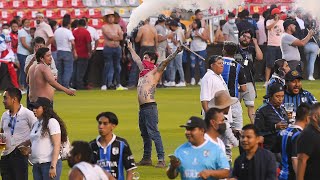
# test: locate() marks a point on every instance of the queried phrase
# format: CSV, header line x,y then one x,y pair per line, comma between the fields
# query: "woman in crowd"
x,y
24,49
281,68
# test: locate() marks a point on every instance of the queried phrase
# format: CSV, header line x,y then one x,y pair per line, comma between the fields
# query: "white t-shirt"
x,y
91,171
289,52
22,50
219,143
42,147
63,37
24,120
197,44
94,35
274,34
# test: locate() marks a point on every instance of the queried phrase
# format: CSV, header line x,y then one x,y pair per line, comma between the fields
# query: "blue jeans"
x,y
79,70
64,65
177,66
311,51
112,67
41,171
195,59
148,124
22,74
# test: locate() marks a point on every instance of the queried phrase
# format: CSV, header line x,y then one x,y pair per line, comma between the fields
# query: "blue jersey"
x,y
233,75
303,97
196,159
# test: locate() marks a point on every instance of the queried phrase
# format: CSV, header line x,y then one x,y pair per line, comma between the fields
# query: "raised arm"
x,y
165,63
135,56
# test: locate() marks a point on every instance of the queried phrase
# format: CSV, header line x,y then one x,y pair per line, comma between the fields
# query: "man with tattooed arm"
x,y
149,76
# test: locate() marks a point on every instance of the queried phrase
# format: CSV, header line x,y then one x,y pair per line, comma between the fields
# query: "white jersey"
x,y
91,171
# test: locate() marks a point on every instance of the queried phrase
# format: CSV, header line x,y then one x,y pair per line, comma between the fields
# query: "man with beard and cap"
x,y
149,76
44,30
309,147
290,44
80,162
246,55
198,158
294,92
271,117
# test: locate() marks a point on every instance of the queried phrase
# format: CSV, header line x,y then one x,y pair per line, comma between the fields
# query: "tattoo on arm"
x,y
165,63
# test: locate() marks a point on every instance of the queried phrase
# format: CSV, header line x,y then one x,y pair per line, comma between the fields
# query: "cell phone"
x,y
173,157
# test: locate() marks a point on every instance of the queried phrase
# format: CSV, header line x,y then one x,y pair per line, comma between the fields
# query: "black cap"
x,y
287,23
292,75
272,89
194,122
41,101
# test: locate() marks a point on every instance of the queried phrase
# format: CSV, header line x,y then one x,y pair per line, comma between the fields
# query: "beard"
x,y
38,21
244,44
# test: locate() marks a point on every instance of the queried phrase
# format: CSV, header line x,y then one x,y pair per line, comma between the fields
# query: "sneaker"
x,y
265,84
23,92
72,89
193,82
104,88
181,84
121,88
144,162
311,78
199,83
161,164
170,84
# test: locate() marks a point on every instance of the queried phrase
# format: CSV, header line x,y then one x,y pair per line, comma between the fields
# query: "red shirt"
x,y
14,42
81,39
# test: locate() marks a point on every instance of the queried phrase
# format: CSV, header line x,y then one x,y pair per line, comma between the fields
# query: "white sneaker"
x,y
193,82
311,78
120,88
104,87
199,83
23,92
170,84
181,84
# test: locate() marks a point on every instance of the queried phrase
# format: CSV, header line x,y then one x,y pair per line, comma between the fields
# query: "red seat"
x,y
46,3
6,15
62,12
3,4
96,23
61,3
77,3
256,9
15,4
78,13
21,12
31,4
93,13
50,13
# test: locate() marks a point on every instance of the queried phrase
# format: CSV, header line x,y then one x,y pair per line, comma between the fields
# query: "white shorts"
x,y
249,95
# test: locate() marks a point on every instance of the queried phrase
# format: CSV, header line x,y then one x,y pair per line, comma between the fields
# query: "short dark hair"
x,y
6,24
213,59
197,11
230,48
83,148
75,23
251,127
152,55
231,15
34,29
24,20
39,40
85,18
246,31
211,114
302,111
256,16
314,108
278,65
66,20
245,13
14,22
82,23
110,115
41,52
53,23
14,93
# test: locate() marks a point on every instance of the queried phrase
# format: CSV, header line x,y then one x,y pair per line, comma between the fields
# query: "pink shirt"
x,y
44,30
275,33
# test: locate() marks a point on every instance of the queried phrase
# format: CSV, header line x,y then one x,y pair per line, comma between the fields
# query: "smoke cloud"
x,y
309,6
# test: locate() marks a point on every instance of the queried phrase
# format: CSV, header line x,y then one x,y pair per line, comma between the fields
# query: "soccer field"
x,y
175,106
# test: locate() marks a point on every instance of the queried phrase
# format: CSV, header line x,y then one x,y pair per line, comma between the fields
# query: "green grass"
x,y
175,106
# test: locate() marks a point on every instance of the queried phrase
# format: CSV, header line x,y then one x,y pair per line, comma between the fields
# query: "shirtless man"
x,y
148,116
147,37
41,79
111,52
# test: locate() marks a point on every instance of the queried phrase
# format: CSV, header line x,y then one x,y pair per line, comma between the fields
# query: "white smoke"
x,y
309,6
155,7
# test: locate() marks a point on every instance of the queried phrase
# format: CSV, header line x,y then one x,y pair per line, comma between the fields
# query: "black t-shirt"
x,y
309,143
246,58
245,170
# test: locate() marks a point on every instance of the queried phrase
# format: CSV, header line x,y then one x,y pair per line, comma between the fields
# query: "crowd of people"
x,y
278,143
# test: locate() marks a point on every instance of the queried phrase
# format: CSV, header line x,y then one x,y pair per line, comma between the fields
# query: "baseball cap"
x,y
275,11
292,75
194,122
41,101
272,89
287,23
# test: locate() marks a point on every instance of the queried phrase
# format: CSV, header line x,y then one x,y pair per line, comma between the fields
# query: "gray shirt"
x,y
289,52
162,30
232,31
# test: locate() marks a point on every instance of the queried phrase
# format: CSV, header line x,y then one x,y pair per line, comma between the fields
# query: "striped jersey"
x,y
287,144
234,76
114,158
303,97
